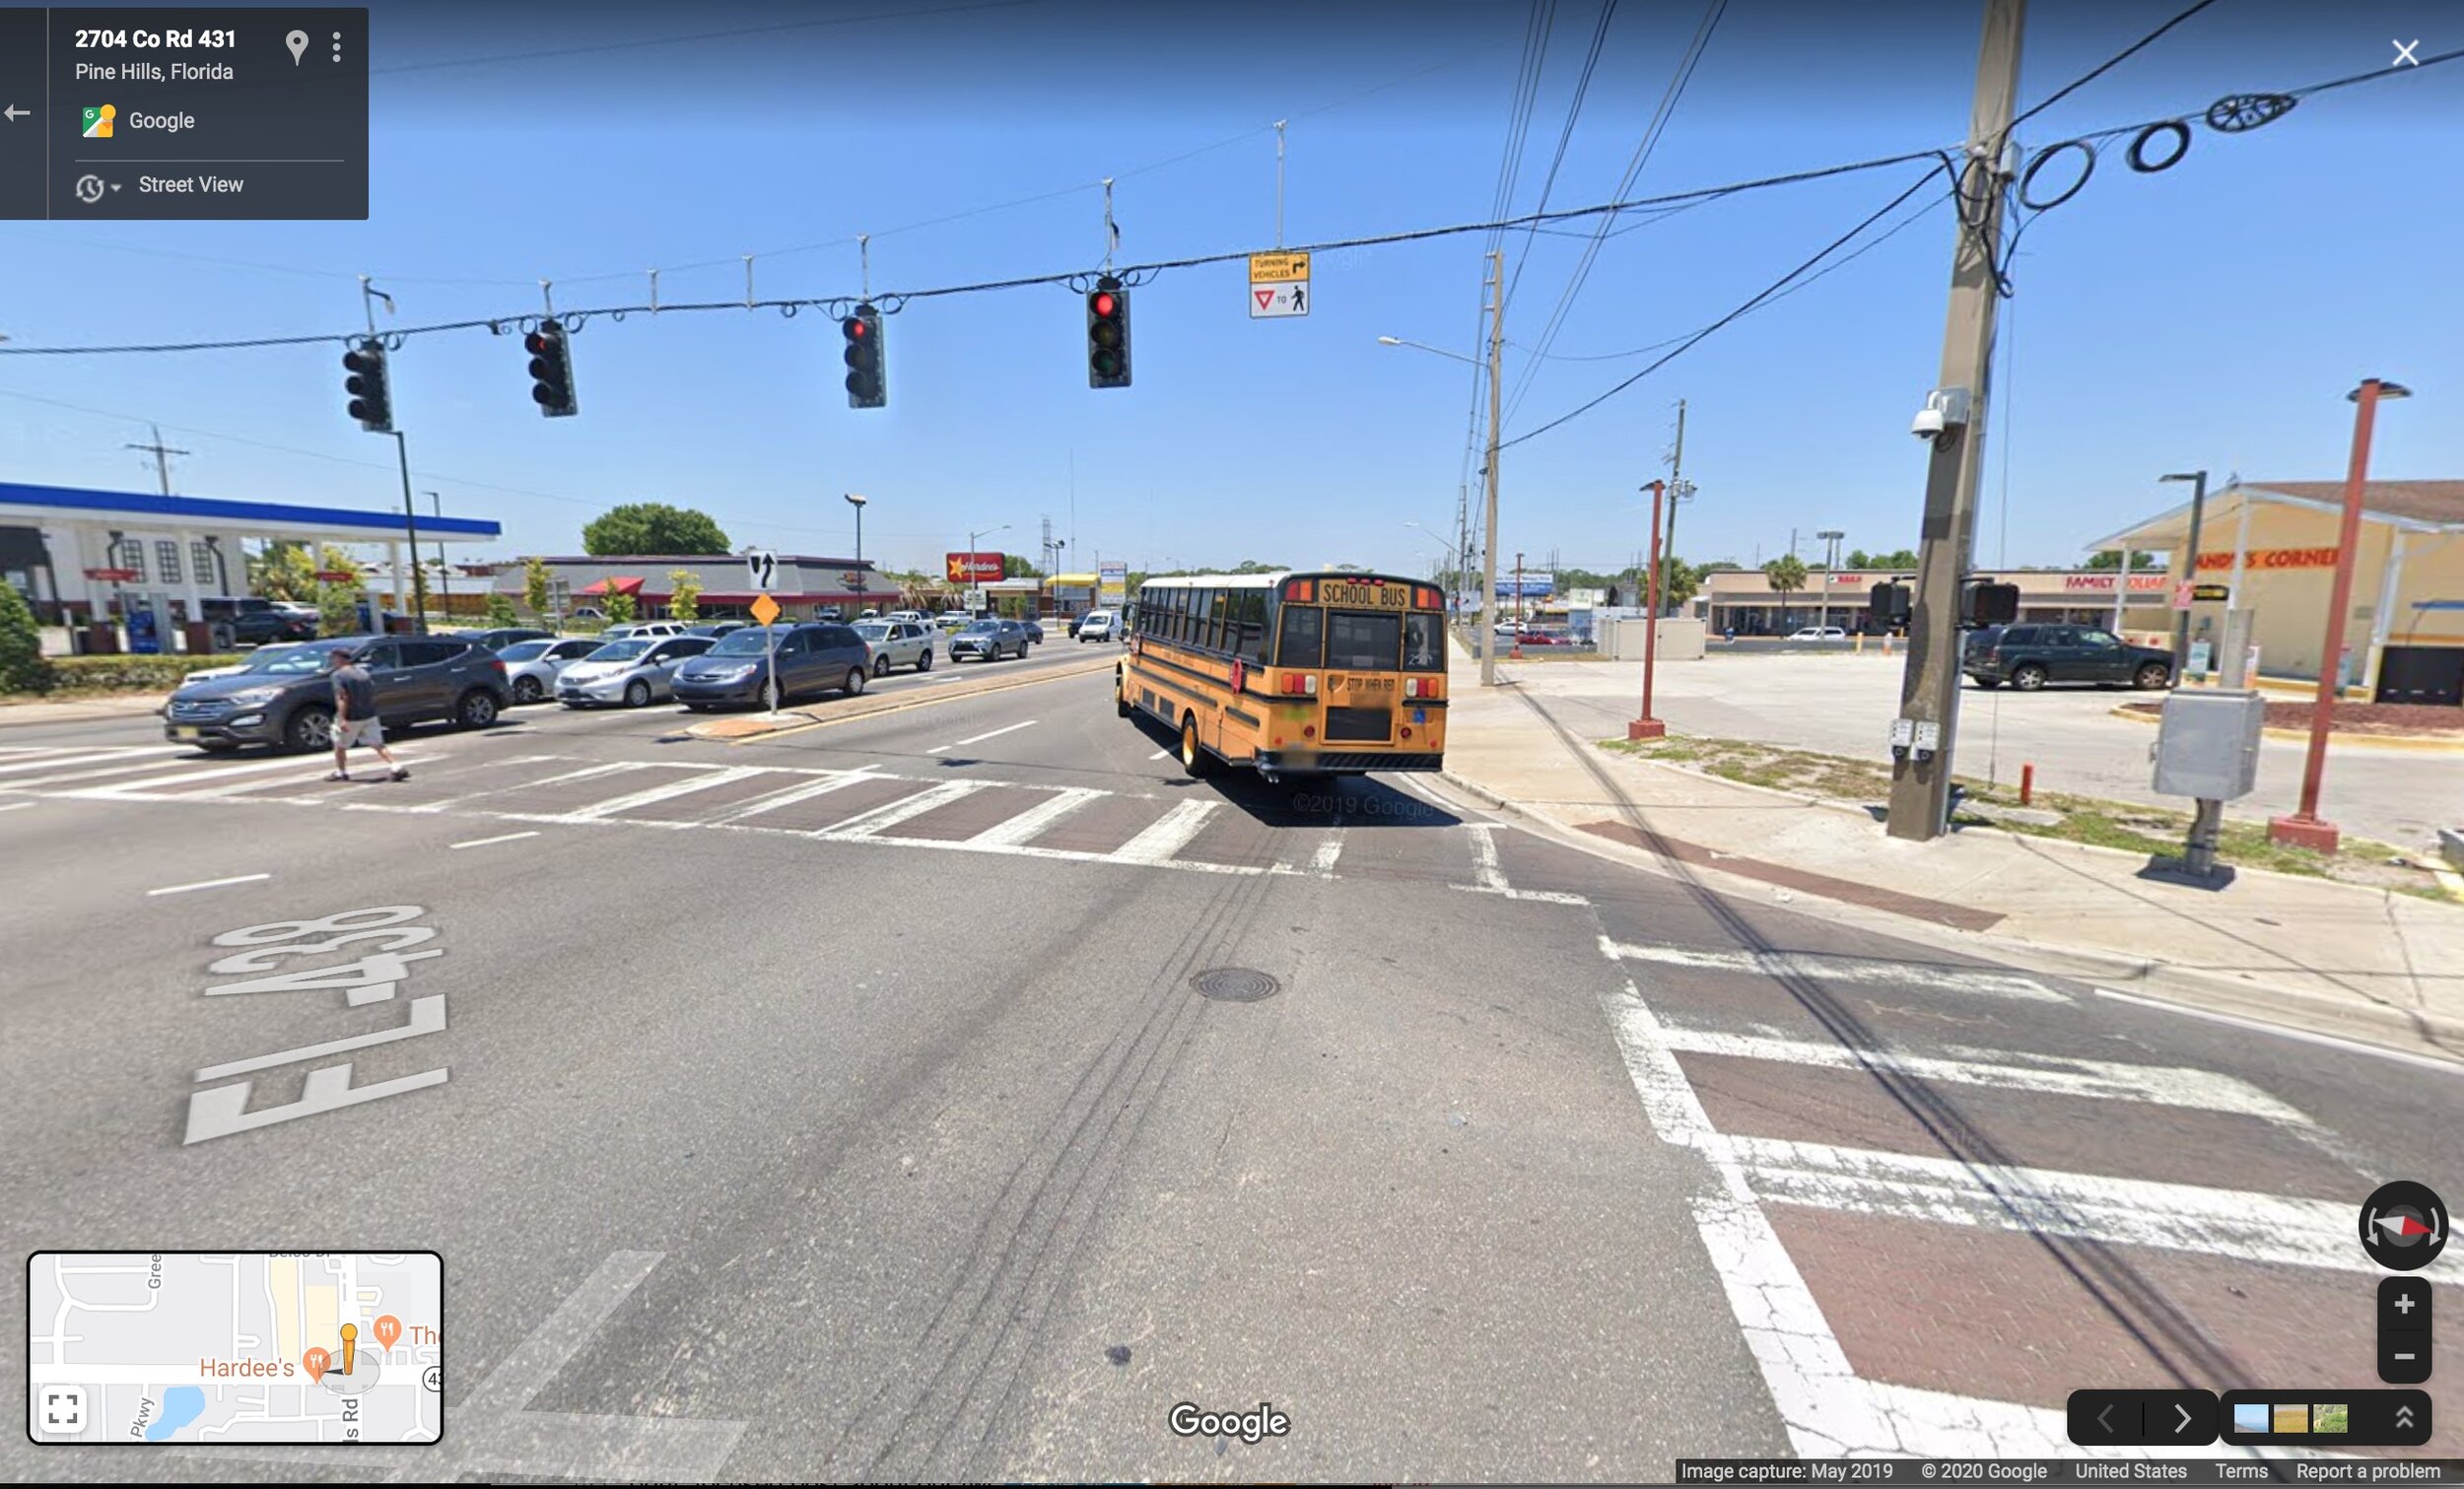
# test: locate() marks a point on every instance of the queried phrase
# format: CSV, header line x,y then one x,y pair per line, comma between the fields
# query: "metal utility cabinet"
x,y
2208,749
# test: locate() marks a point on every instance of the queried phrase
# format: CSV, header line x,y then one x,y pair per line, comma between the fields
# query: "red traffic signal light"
x,y
1108,335
867,384
1104,303
551,370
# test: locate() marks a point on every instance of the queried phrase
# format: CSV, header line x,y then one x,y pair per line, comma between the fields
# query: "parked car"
x,y
1975,644
812,657
2027,657
285,696
505,636
826,613
1094,626
951,619
589,613
531,668
1034,633
897,643
249,621
1819,633
631,629
716,629
918,616
634,670
989,640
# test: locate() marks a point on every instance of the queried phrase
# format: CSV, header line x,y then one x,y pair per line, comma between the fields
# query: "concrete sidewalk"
x,y
2364,964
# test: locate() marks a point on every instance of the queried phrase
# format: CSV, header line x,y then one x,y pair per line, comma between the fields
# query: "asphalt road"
x,y
859,1071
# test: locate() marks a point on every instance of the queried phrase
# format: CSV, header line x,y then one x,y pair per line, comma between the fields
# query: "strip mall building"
x,y
1743,600
2271,547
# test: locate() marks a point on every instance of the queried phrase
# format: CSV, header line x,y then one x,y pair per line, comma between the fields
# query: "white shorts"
x,y
366,733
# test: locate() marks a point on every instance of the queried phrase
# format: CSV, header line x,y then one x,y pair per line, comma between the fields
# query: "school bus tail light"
x,y
1302,592
1308,732
1424,598
1302,682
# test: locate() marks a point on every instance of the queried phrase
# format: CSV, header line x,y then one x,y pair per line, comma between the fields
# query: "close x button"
x,y
2142,1418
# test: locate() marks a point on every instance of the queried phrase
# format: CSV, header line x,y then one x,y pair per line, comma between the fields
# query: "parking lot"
x,y
1843,703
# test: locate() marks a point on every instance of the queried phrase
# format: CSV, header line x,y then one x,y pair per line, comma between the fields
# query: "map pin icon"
x,y
315,1360
298,42
388,1329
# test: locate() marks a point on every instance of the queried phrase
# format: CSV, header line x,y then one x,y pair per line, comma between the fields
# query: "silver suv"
x,y
897,643
989,640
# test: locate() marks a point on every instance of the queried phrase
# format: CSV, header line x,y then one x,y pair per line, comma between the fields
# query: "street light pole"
x,y
1648,727
1488,544
410,527
862,589
2303,829
445,572
2190,566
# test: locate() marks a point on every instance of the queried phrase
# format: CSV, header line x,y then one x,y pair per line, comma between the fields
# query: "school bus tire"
x,y
1120,692
1193,756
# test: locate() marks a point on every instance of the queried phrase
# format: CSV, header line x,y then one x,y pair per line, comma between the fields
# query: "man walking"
x,y
355,717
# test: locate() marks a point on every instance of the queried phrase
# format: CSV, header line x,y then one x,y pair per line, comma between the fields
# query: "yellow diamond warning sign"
x,y
765,609
1277,268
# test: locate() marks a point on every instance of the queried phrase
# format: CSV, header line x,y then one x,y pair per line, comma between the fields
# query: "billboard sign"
x,y
973,568
1112,582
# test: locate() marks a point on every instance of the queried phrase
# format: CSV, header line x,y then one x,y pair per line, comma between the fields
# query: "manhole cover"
x,y
1234,984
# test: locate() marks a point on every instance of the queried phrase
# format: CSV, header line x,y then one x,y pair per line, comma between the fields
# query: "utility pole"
x,y
1518,588
1929,688
1920,774
1488,547
2190,566
161,466
1678,490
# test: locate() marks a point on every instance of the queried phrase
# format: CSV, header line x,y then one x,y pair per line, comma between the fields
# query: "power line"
x,y
1565,135
1688,61
2107,65
1770,291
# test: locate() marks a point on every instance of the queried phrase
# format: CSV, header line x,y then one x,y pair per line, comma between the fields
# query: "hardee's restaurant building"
x,y
2269,546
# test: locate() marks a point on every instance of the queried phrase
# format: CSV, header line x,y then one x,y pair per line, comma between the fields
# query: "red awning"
x,y
618,585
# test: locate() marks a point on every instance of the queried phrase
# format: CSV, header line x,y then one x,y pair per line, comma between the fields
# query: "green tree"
x,y
645,528
538,587
282,572
1897,558
684,599
23,668
1787,575
620,608
1680,582
2111,558
501,610
1014,566
338,601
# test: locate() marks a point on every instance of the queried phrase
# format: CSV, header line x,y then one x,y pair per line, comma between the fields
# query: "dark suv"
x,y
812,657
285,696
2029,656
253,622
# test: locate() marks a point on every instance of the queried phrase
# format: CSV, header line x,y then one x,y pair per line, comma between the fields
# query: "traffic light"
x,y
551,370
866,385
1108,334
1890,606
371,393
1984,603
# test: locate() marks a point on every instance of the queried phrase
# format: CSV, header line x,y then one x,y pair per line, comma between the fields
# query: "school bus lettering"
x,y
1367,597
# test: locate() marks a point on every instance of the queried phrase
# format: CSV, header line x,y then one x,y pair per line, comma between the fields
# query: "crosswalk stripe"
x,y
2236,1224
50,760
127,768
1490,879
2155,1085
1166,835
872,824
1821,968
702,779
793,794
160,789
1035,818
1322,861
446,804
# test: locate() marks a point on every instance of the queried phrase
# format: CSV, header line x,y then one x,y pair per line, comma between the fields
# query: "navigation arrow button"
x,y
16,113
2186,1419
2104,1418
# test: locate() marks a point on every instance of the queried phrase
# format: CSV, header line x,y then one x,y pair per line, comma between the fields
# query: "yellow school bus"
x,y
1293,675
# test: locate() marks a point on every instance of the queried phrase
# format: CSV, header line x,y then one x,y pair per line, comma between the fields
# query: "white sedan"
x,y
633,672
531,668
1819,633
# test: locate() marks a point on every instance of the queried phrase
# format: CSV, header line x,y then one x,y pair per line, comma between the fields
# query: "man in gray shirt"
x,y
355,716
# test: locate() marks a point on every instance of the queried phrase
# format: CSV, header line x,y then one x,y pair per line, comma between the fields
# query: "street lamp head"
x,y
2196,475
1389,341
854,500
2386,390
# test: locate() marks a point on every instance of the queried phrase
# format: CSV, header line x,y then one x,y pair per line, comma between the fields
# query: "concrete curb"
x,y
24,716
2346,741
716,730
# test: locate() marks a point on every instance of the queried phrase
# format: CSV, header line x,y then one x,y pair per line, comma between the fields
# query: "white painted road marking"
x,y
1035,818
1322,863
182,889
1159,754
1166,835
2282,1031
488,842
1830,969
702,779
492,1434
16,806
793,794
2158,1085
870,824
1492,879
53,760
996,733
224,1111
427,1016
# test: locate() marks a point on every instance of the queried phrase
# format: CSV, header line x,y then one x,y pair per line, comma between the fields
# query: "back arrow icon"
x,y
2102,1415
15,114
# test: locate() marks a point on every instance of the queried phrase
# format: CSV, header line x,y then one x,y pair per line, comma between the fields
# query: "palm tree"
x,y
1787,575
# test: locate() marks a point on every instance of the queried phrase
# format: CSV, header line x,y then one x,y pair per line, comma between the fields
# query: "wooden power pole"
x,y
1929,690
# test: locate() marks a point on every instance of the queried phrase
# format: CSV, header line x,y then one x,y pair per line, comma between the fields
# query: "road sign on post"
x,y
762,565
1278,284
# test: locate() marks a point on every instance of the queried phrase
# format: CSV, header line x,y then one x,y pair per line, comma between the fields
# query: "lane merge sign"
x,y
762,565
1278,284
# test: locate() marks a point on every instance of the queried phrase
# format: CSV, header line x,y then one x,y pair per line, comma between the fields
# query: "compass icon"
x,y
2404,1226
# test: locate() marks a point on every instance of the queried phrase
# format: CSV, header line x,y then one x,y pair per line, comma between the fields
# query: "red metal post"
x,y
2303,829
2027,784
1648,727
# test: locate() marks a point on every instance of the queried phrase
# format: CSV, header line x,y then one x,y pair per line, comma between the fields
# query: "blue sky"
x,y
2212,315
